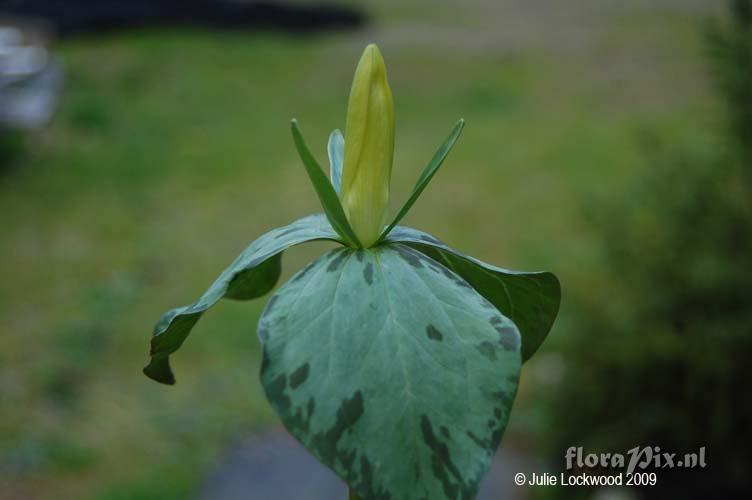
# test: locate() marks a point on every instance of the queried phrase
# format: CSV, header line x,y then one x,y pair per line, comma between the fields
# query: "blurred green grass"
x,y
171,152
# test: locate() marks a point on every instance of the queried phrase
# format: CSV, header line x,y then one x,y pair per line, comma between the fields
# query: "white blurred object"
x,y
20,62
9,35
30,81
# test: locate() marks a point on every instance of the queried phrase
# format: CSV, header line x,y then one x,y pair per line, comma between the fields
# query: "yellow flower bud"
x,y
369,148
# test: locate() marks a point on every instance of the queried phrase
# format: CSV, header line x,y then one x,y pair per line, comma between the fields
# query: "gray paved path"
x,y
273,466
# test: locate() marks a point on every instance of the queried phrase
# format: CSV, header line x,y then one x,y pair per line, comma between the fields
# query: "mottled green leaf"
x,y
530,299
324,190
336,150
427,175
253,274
392,371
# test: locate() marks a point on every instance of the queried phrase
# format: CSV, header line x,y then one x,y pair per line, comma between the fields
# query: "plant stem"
x,y
353,496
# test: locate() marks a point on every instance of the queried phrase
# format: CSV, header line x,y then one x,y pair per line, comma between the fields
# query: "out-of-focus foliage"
x,y
663,358
10,148
731,59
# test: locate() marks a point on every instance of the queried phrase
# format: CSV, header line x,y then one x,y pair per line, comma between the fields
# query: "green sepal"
x,y
324,190
253,274
335,149
530,299
426,175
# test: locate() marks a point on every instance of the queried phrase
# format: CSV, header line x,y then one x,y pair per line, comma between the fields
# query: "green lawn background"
x,y
171,152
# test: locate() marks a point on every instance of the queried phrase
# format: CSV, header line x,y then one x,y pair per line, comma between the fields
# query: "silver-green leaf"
x,y
253,274
392,370
530,299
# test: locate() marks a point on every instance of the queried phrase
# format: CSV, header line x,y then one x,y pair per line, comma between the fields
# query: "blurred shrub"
x,y
11,147
661,357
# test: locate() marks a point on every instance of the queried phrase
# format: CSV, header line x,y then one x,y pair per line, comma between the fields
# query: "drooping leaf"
x,y
392,371
427,175
324,189
530,299
253,274
336,150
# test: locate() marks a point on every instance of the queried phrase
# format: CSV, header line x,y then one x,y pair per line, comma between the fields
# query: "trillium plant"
x,y
394,359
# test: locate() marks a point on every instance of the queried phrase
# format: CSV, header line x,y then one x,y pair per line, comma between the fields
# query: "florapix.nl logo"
x,y
639,457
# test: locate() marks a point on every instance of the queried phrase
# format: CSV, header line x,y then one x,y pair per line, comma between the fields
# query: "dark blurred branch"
x,y
76,17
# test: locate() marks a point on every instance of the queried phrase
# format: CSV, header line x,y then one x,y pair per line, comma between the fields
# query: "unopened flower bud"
x,y
369,148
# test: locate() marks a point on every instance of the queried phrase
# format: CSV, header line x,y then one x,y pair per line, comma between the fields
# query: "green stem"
x,y
353,496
